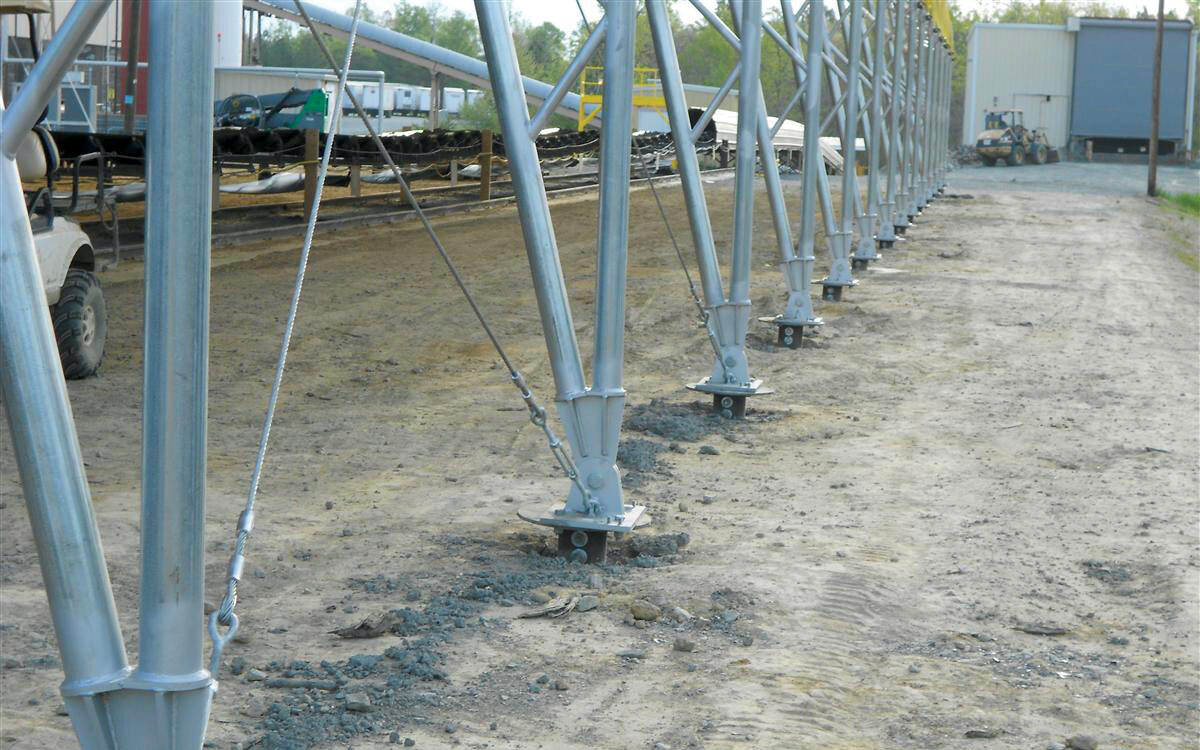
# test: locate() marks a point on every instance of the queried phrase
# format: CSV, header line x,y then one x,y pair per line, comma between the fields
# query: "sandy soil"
x,y
995,433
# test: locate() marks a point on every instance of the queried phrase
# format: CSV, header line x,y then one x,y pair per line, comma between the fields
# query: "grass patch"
x,y
1189,203
1191,260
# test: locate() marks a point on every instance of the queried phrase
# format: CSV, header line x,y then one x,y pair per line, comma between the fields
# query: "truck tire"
x,y
80,324
1038,153
1016,157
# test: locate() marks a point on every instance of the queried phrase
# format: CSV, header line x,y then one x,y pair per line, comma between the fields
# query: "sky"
x,y
565,14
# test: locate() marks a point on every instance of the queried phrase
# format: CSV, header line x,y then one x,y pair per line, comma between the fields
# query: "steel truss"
x,y
590,414
890,83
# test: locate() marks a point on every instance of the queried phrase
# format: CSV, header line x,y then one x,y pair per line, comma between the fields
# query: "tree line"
x,y
544,50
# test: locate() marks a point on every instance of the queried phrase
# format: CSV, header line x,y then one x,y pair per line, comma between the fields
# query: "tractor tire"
x,y
987,161
1016,157
80,324
1037,153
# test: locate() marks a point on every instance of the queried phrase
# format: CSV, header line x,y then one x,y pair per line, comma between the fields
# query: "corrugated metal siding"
x,y
1114,66
1023,66
229,82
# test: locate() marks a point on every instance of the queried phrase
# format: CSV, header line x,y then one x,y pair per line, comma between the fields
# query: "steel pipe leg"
x,y
56,492
730,319
886,236
840,274
870,230
591,417
171,681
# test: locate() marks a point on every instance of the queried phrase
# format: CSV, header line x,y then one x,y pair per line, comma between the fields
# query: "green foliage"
x,y
477,115
1189,203
705,58
289,45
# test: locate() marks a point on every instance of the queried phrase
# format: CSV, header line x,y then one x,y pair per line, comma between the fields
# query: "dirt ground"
x,y
967,517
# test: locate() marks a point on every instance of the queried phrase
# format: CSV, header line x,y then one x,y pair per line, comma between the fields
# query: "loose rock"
x,y
644,610
359,703
977,734
659,545
1082,742
709,450
684,644
587,603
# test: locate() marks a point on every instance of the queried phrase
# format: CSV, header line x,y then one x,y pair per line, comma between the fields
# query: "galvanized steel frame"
x,y
165,701
591,415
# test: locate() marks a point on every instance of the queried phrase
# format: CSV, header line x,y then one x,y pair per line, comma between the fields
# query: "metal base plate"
x,y
823,282
635,515
779,320
721,389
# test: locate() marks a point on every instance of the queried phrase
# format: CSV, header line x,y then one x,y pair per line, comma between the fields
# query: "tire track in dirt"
x,y
815,690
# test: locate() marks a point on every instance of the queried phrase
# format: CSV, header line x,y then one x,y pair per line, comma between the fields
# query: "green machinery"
x,y
301,109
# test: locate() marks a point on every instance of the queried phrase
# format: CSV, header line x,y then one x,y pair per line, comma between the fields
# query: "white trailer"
x,y
452,100
421,98
404,99
369,94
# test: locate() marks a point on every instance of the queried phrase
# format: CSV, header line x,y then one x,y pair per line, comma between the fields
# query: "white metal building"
x,y
1022,65
1088,79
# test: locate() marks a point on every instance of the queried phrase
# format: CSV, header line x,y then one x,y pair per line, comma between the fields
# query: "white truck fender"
x,y
56,249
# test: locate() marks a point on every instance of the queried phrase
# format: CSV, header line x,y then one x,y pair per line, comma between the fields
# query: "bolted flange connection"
x,y
730,407
831,293
583,546
791,336
901,228
860,264
886,244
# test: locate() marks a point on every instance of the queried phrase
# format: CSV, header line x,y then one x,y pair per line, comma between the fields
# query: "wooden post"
x,y
356,179
454,173
485,166
1152,173
216,187
312,147
723,154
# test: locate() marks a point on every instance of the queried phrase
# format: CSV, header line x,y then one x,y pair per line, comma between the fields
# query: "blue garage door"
x,y
1114,68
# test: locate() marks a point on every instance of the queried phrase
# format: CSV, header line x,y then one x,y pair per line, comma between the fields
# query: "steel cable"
x,y
537,413
224,615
